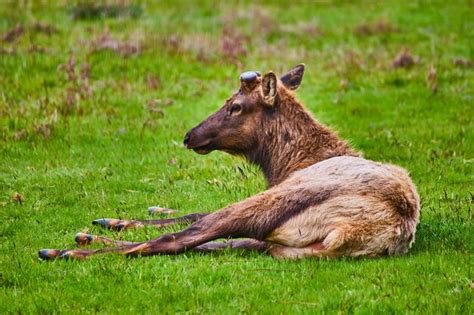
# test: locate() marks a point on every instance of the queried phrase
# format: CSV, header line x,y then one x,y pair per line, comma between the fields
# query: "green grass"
x,y
107,155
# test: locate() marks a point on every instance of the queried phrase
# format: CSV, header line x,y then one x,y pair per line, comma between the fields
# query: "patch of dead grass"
x,y
124,48
233,44
380,27
13,34
431,79
404,59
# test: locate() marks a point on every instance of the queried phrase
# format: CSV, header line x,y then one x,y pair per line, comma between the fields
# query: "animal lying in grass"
x,y
323,198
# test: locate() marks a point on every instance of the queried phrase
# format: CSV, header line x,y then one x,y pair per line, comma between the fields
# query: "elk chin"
x,y
202,151
202,148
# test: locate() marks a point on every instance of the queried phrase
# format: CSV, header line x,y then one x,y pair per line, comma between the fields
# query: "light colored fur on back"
x,y
360,217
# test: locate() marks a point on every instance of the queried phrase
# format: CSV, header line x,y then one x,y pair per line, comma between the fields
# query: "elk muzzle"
x,y
195,140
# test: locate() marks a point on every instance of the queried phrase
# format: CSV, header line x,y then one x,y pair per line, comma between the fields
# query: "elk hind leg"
x,y
118,225
346,240
84,239
335,244
313,250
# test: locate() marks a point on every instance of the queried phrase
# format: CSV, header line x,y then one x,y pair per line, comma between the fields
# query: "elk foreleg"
x,y
83,239
253,218
173,243
237,220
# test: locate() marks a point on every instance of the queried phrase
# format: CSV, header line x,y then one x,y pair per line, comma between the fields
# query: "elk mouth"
x,y
202,149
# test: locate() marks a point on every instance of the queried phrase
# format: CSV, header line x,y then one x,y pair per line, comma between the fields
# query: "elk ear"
x,y
292,79
269,88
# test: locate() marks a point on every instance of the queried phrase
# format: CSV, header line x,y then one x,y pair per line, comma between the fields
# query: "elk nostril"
x,y
186,139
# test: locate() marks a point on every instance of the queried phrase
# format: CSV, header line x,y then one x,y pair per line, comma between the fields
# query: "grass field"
x,y
93,111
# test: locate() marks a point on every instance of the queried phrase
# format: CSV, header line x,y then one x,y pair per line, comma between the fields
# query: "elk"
x,y
323,198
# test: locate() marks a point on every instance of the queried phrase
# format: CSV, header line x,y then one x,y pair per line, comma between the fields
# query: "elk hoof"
x,y
119,227
101,222
64,255
112,224
83,239
104,223
75,254
153,210
48,254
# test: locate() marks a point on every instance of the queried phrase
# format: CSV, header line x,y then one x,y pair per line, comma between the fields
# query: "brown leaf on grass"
x,y
377,59
172,43
37,49
44,130
153,81
202,46
70,101
263,23
128,48
343,84
382,26
162,103
354,60
85,71
149,123
17,197
404,60
70,68
463,63
7,51
172,161
156,111
17,31
84,88
202,56
155,106
13,34
45,28
347,63
105,41
308,28
20,135
431,80
77,86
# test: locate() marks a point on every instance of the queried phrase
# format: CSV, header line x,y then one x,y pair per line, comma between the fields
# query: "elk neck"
x,y
291,139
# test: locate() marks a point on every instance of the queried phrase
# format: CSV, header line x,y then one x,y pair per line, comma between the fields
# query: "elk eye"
x,y
236,108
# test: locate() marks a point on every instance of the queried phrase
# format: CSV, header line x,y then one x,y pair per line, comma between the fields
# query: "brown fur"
x,y
324,199
292,140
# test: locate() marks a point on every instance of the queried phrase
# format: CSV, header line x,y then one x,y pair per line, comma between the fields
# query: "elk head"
x,y
236,126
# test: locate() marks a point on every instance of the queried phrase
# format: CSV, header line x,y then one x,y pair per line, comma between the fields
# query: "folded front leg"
x,y
249,244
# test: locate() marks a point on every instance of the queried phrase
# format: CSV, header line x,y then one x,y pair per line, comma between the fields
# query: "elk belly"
x,y
334,222
301,230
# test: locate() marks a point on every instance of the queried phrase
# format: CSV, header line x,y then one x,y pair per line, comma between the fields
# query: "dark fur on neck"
x,y
291,139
